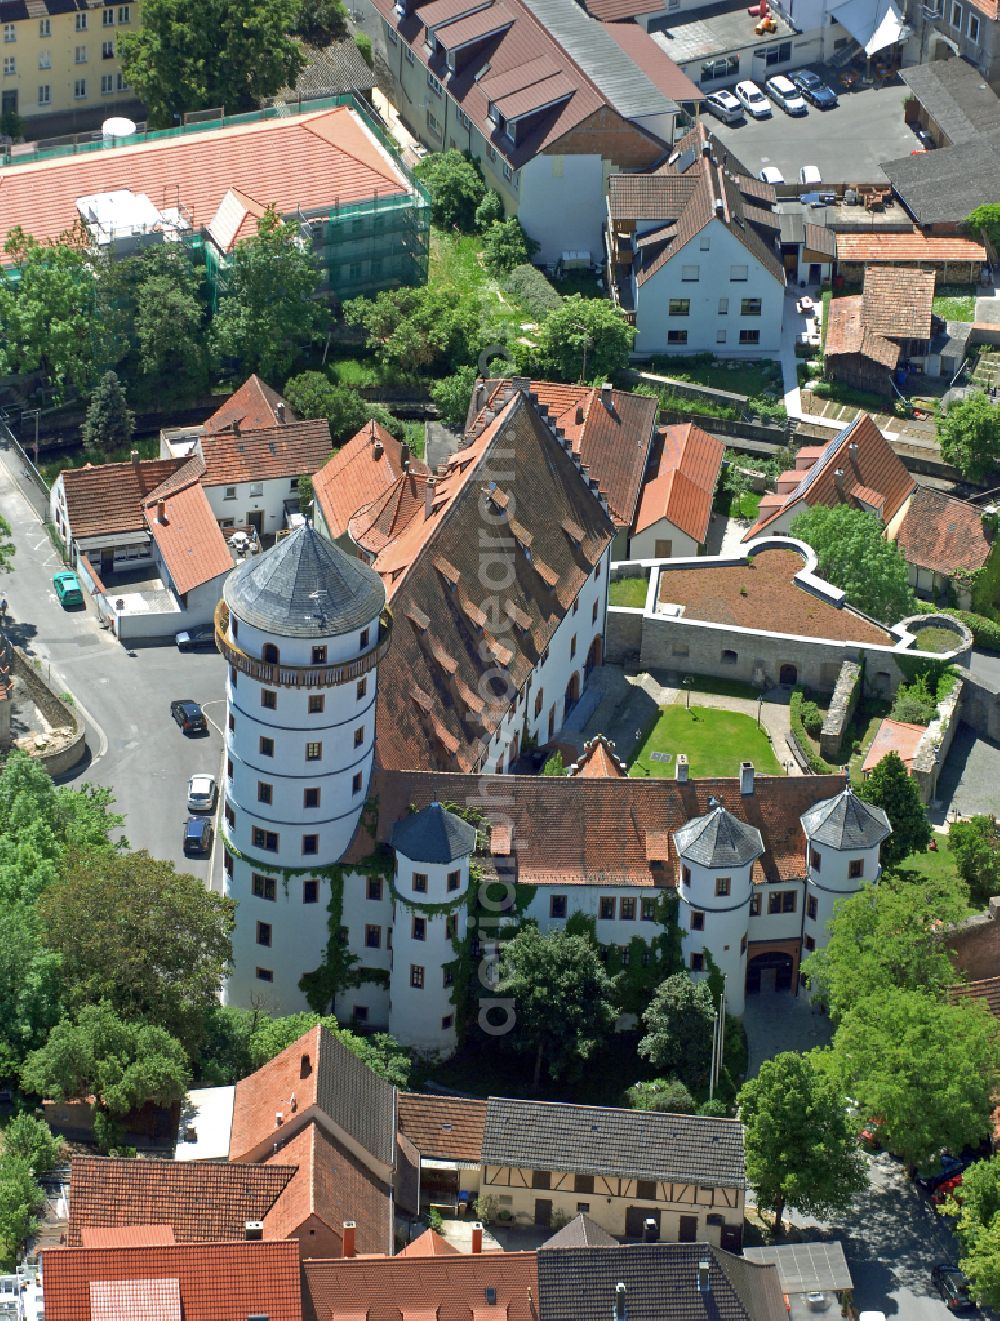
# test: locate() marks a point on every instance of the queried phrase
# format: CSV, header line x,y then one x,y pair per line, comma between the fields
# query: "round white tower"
x,y
433,848
717,852
843,837
302,630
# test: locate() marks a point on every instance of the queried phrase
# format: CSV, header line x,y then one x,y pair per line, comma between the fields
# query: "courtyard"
x,y
714,741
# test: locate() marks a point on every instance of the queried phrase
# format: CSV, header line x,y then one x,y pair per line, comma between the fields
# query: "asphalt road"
x,y
847,143
134,748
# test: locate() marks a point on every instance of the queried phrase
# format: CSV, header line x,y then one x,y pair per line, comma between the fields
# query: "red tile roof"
x,y
897,301
104,499
429,1244
189,538
680,485
264,1094
197,1200
987,990
254,406
128,1236
375,526
292,449
212,1281
646,53
848,335
864,246
357,475
764,595
864,458
311,161
942,534
598,760
894,736
443,1127
452,1287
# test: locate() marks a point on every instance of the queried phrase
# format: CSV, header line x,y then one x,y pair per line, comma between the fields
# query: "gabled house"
x,y
944,541
361,474
675,508
869,335
692,253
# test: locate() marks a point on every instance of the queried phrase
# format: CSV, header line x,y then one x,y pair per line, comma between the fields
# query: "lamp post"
x,y
687,683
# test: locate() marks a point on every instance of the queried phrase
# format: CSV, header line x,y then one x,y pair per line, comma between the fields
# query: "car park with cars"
x,y
784,93
814,89
197,836
67,586
196,639
724,106
188,715
810,176
753,100
202,793
953,1287
772,175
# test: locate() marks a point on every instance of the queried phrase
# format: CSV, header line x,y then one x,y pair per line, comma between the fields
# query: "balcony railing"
x,y
299,676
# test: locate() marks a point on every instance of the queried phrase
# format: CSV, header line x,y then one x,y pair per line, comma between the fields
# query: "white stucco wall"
x,y
242,503
562,205
643,545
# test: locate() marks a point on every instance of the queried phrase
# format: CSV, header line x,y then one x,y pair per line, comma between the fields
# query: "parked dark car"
x,y
814,89
953,1287
188,715
198,836
945,1168
196,639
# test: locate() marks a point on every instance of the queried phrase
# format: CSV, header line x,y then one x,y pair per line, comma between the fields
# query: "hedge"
x,y
530,287
985,632
813,760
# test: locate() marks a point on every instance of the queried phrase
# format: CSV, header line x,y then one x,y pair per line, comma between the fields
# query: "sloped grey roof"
x,y
632,1144
818,1267
946,184
434,835
719,839
956,96
305,587
661,1284
581,1232
356,1099
846,822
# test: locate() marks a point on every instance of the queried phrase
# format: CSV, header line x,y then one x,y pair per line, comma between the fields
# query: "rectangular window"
x,y
265,792
626,910
263,933
606,910
593,613
649,910
416,976
373,937
419,882
809,943
108,17
81,22
685,875
956,16
418,927
447,1021
541,1179
645,1190
80,89
230,493
720,337
264,839
365,638
267,747
727,66
814,860
80,55
408,53
448,976
557,905
812,908
677,337
310,892
697,962
9,33
256,489
451,925
314,751
583,1183
9,66
454,880
755,905
391,34
782,901
319,655
310,844
310,797
359,736
269,699
723,307
973,29
737,274
356,783
689,274
697,920
750,307
230,817
263,887
679,307
723,885
778,54
107,84
45,27
264,975
124,13
375,888
107,50
317,704
856,869
749,336
433,84
572,646
362,688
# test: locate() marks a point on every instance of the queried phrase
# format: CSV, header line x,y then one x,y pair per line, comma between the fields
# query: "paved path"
x,y
777,1021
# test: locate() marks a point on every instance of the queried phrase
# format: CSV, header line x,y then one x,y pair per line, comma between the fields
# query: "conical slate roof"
x,y
305,587
719,839
433,835
846,822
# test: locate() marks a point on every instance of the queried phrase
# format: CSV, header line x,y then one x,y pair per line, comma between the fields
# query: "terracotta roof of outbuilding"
x,y
212,1281
680,484
443,1127
188,536
429,1244
581,1232
897,736
356,476
199,1200
106,498
450,1287
574,830
864,246
942,534
897,301
987,991
377,525
289,449
127,1236
598,760
254,407
848,334
324,158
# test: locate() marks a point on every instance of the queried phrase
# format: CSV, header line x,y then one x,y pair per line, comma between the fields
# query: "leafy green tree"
x,y
925,1068
800,1149
151,942
21,1198
452,395
109,423
886,937
981,1264
969,436
890,787
581,339
30,1139
162,294
231,53
269,314
975,847
985,220
978,1210
381,1052
854,556
225,1053
914,702
555,765
321,21
30,986
679,1023
455,186
364,44
304,492
506,245
417,329
312,394
123,1065
11,124
667,1095
490,209
566,1004
6,546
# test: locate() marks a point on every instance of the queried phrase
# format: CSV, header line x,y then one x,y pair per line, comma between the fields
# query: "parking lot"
x,y
847,143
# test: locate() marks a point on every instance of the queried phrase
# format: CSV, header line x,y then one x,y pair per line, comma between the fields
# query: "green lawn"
x,y
955,302
746,506
935,639
932,865
455,265
415,438
715,742
711,683
749,378
628,592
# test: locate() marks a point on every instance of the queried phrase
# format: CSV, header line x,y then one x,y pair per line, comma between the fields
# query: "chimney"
x,y
279,408
134,456
161,513
838,477
378,449
350,1228
236,426
404,459
279,1119
682,768
621,1311
477,1237
704,1279
428,497
305,1067
579,414
718,206
293,1104
746,778
606,393
706,147
852,450
253,1230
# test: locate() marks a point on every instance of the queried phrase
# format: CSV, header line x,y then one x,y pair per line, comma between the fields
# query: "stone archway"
x,y
773,965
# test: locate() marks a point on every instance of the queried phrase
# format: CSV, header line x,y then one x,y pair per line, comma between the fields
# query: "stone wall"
x,y
980,708
623,636
841,709
65,749
932,749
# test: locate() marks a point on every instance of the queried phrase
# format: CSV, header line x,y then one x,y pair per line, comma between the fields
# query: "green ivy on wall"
x,y
649,962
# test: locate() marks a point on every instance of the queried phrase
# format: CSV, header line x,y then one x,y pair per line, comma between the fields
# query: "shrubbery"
x,y
529,286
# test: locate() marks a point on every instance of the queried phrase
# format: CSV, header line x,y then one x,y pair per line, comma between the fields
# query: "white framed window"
x,y
45,59
256,488
108,87
720,337
120,83
44,94
124,13
508,173
704,243
677,337
973,29
408,55
9,33
462,117
80,89
9,66
230,493
749,336
81,21
956,16
432,122
391,35
45,27
80,55
737,274
434,85
723,307
108,17
107,50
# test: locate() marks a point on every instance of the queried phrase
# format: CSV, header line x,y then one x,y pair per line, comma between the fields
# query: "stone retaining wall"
x,y
66,749
980,708
932,750
841,709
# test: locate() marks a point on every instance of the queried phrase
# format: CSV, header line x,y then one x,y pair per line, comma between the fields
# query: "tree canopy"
x,y
581,339
892,788
506,245
381,1052
975,847
21,1198
109,421
854,556
679,1022
969,435
565,1002
986,220
31,1140
977,1207
800,1147
455,186
667,1095
418,329
6,546
311,394
452,394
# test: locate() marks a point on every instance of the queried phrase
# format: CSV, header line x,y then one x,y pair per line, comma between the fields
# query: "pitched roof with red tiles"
x,y
197,1200
429,1244
598,760
575,830
848,335
680,486
763,595
188,536
128,1236
360,472
942,534
254,407
430,710
864,458
207,1282
897,736
452,1287
308,162
864,246
443,1127
290,449
333,1185
987,991
897,300
105,499
375,526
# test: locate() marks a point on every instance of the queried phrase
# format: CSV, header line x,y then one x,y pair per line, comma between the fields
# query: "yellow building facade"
x,y
60,57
